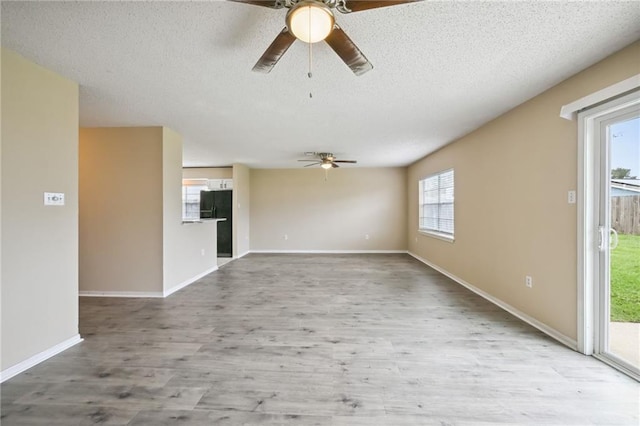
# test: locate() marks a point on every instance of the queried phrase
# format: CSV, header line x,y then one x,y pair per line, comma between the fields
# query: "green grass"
x,y
625,280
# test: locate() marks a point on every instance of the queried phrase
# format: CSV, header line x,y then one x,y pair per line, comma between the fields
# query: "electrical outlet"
x,y
202,252
528,281
286,237
571,197
366,237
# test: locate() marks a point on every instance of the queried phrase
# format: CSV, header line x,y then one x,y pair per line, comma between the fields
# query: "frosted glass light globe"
x,y
310,22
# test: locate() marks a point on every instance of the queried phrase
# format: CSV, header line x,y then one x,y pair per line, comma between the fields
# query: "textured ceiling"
x,y
441,69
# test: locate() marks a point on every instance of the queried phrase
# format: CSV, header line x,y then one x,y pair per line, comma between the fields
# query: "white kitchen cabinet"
x,y
220,184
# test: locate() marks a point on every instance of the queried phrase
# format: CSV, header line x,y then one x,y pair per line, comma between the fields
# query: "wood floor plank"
x,y
316,340
131,397
65,415
70,371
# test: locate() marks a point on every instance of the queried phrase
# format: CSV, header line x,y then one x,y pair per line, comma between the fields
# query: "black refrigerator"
x,y
218,205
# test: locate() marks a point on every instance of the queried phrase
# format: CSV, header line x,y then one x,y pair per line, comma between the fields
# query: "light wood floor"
x,y
316,340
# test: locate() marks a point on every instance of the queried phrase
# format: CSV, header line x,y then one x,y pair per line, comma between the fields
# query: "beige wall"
x,y
335,214
121,208
183,244
132,239
512,216
207,173
241,209
39,244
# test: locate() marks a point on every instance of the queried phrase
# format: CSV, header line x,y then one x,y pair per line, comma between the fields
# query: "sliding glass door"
x,y
617,286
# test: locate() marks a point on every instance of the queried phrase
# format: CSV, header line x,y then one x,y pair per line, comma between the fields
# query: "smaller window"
x,y
436,204
191,198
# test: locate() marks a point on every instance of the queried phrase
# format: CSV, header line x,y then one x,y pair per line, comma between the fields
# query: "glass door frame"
x,y
593,263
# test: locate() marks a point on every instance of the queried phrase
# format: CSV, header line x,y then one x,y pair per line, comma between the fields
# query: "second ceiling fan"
x,y
326,160
312,21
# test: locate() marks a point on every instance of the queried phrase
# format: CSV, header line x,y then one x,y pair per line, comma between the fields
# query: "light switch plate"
x,y
54,198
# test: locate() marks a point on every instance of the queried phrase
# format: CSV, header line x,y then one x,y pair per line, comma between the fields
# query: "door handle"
x,y
614,240
600,238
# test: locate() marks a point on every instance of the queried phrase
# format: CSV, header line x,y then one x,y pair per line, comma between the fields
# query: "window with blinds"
x,y
191,197
436,203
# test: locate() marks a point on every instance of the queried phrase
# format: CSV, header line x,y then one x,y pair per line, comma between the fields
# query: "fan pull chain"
x,y
310,74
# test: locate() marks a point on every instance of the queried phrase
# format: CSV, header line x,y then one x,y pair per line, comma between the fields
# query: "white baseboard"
x,y
329,251
243,254
565,340
38,358
143,294
120,294
189,281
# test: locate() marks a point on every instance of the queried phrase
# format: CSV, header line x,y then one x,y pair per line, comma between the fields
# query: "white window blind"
x,y
191,197
436,203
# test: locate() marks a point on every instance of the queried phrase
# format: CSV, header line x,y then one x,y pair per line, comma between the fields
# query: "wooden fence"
x,y
625,214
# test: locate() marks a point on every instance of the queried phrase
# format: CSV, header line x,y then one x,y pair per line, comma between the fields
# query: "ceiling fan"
x,y
326,160
312,21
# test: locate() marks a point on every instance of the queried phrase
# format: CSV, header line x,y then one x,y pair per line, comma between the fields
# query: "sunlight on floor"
x,y
624,341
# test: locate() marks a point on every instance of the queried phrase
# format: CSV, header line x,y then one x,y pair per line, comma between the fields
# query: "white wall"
x,y
207,173
241,209
1,368
189,250
39,244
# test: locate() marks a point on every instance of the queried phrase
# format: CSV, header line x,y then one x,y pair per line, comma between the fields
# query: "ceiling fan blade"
x,y
348,51
266,3
358,5
334,165
344,161
312,164
274,52
315,161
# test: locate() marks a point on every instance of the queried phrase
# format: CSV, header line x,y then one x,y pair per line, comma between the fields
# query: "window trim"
x,y
432,232
437,235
